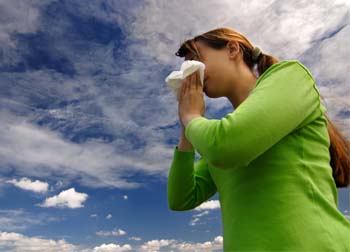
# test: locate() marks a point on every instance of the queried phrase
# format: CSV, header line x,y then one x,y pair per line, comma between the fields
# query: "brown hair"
x,y
339,147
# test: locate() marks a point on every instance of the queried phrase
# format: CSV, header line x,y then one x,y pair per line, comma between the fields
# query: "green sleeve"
x,y
189,185
273,109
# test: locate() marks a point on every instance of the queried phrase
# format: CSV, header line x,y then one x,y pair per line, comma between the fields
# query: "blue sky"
x,y
89,125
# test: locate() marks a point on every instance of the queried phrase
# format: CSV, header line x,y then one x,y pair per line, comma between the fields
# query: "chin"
x,y
211,95
206,92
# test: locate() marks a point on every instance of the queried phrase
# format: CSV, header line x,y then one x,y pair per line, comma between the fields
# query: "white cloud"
x,y
211,204
27,184
112,248
179,246
109,216
155,245
20,243
117,232
68,198
125,197
170,245
17,242
93,215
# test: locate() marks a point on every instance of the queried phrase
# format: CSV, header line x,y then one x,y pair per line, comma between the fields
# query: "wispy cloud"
x,y
12,12
316,38
207,206
196,218
135,238
20,219
107,94
83,98
116,232
44,152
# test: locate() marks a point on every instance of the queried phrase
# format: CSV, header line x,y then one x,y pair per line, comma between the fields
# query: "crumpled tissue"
x,y
174,79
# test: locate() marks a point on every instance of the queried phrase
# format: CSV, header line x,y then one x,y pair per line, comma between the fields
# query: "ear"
x,y
233,48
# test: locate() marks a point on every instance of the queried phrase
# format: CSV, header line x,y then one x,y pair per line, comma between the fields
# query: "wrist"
x,y
189,118
184,144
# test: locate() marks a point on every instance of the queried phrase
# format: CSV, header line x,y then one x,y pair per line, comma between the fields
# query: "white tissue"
x,y
174,79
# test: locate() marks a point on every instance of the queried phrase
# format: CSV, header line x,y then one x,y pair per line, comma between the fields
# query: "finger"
x,y
200,84
179,92
193,81
183,88
188,84
197,80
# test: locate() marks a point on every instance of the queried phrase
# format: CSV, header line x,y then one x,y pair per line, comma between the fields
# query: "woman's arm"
x,y
189,184
277,106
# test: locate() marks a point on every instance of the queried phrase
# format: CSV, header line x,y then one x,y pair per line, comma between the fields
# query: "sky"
x,y
88,125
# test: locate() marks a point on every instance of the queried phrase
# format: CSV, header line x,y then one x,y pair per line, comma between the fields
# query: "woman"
x,y
275,161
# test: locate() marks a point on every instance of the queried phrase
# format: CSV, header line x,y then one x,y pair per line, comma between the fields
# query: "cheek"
x,y
212,72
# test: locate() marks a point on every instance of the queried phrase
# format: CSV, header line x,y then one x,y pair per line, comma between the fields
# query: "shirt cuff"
x,y
183,156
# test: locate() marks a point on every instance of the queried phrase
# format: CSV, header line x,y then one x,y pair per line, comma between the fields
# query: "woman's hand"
x,y
191,99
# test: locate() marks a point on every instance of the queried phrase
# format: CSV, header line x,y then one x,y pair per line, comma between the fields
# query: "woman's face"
x,y
218,68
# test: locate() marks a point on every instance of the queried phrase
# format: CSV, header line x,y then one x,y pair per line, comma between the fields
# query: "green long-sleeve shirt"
x,y
269,161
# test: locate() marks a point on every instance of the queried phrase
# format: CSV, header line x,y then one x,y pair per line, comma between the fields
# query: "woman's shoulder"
x,y
284,69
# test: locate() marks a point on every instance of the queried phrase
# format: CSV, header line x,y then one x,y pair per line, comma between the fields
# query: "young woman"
x,y
276,160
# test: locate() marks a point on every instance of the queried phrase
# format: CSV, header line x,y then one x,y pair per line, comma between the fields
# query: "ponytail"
x,y
339,147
